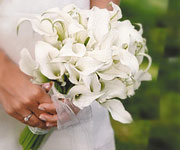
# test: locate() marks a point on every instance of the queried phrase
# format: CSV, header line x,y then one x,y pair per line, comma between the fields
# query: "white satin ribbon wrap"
x,y
68,119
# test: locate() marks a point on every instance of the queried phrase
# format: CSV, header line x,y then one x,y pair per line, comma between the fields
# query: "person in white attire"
x,y
19,97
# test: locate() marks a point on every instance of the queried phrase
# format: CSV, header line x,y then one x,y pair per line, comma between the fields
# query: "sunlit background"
x,y
156,105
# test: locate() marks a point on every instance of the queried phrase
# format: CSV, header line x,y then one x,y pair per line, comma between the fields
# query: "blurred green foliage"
x,y
156,105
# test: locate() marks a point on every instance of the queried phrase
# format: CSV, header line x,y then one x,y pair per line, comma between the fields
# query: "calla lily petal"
x,y
70,49
92,82
41,27
114,88
117,111
88,65
98,23
116,14
81,96
44,52
128,59
30,67
26,63
112,72
74,28
74,75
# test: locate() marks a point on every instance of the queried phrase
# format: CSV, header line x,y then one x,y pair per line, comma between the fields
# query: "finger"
x,y
18,117
64,117
48,118
48,107
33,120
45,98
39,95
34,108
50,124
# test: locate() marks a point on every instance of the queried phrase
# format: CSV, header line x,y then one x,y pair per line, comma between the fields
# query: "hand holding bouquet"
x,y
89,55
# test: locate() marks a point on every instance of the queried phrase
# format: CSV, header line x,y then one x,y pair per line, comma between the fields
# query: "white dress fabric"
x,y
95,121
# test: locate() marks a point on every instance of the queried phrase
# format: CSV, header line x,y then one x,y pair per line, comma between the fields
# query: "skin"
x,y
18,96
103,3
34,99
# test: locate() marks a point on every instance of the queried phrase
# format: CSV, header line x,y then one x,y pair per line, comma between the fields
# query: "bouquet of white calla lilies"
x,y
93,52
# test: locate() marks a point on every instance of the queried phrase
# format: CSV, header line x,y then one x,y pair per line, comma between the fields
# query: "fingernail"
x,y
41,108
42,118
49,125
46,85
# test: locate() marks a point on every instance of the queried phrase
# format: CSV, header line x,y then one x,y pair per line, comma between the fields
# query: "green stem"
x,y
29,142
23,135
38,142
28,139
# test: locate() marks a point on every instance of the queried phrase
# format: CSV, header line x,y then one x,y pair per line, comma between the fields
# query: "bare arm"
x,y
18,96
103,3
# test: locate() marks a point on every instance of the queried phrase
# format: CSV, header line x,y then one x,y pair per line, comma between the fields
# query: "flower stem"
x,y
28,140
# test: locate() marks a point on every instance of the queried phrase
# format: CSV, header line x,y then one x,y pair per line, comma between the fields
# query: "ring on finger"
x,y
26,119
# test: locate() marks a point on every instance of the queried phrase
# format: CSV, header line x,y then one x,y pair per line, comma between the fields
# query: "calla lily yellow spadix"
x,y
91,54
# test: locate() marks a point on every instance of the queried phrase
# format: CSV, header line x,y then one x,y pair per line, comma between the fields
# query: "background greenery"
x,y
156,105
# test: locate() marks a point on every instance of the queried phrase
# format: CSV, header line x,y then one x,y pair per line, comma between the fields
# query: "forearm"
x,y
103,3
3,60
8,69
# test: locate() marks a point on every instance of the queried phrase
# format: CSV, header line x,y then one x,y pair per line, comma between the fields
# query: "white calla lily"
x,y
112,89
77,14
98,23
74,75
114,71
128,59
40,26
81,96
116,13
75,27
83,18
38,77
141,76
130,90
130,38
81,37
92,82
53,40
103,52
30,67
117,111
71,49
101,55
26,63
53,71
61,29
88,65
44,54
54,13
92,42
